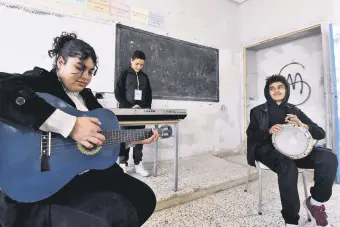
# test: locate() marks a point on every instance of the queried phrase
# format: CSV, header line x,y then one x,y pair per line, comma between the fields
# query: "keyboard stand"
x,y
175,136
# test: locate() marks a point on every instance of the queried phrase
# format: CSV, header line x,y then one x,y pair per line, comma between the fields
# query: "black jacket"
x,y
33,113
125,87
258,128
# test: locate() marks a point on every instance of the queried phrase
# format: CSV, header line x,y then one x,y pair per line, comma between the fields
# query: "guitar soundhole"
x,y
89,151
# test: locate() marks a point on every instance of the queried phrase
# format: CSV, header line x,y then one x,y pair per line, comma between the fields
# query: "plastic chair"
x,y
260,167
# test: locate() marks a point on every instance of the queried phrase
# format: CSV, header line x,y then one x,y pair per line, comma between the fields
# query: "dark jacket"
x,y
258,128
125,87
32,114
35,111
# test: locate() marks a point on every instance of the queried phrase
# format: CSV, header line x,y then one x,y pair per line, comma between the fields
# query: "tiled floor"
x,y
195,174
236,208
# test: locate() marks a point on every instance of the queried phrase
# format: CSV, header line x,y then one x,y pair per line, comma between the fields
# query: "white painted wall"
x,y
261,20
209,127
306,51
336,12
265,19
217,23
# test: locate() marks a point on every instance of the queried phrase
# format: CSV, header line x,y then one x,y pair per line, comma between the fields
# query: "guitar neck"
x,y
127,135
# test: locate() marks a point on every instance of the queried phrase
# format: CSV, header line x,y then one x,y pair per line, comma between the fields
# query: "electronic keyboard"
x,y
149,114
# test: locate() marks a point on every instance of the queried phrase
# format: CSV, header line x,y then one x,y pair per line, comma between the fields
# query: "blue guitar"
x,y
34,164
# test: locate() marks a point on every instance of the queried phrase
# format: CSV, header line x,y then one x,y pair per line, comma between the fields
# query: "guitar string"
x,y
61,149
108,135
106,142
109,138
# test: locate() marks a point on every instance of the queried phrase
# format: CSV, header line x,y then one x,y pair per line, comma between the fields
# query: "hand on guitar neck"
x,y
87,132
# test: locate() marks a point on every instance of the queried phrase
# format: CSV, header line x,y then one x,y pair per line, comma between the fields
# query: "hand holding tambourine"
x,y
275,129
290,119
293,138
293,119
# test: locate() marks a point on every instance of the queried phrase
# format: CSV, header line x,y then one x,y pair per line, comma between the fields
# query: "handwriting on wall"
x,y
297,83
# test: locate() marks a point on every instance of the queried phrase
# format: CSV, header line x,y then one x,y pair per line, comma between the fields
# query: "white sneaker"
x,y
141,170
124,167
290,225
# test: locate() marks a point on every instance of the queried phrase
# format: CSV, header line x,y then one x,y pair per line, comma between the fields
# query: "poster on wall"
x,y
335,65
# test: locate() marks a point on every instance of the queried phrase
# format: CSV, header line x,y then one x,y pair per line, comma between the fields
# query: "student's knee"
x,y
287,168
150,197
69,217
127,215
329,160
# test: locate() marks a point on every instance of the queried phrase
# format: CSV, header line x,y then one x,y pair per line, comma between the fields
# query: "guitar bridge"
x,y
45,151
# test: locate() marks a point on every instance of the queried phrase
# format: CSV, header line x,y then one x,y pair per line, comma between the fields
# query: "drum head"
x,y
293,142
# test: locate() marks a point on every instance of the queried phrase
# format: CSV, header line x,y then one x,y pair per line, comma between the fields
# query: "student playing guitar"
x,y
100,198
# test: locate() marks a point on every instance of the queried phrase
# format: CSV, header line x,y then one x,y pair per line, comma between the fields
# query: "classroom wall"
x,y
222,24
261,20
307,95
265,19
209,127
336,12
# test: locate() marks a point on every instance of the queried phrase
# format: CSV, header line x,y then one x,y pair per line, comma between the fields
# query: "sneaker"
x,y
141,170
123,166
291,225
317,213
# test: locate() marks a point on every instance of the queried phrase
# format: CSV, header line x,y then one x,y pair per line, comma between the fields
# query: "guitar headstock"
x,y
165,131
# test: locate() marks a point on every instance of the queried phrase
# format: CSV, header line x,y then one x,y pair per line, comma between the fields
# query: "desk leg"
x,y
155,158
176,157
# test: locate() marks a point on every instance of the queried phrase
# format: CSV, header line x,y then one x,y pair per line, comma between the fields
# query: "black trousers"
x,y
137,150
322,160
99,198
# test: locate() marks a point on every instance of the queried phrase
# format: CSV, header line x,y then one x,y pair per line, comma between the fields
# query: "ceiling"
x,y
239,1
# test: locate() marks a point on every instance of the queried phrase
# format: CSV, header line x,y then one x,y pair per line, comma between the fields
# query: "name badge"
x,y
138,94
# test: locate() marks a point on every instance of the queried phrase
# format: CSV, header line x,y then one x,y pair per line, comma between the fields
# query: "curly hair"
x,y
68,45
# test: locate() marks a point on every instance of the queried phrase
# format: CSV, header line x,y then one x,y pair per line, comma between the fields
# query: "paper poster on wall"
x,y
77,3
335,63
45,3
139,15
119,9
99,5
156,20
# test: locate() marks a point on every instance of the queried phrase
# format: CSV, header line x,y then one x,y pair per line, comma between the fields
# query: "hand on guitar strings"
x,y
275,129
86,132
149,140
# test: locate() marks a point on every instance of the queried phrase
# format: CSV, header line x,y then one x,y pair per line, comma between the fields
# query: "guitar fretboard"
x,y
121,136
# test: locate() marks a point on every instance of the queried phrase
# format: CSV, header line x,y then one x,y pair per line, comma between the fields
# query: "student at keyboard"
x,y
100,198
133,90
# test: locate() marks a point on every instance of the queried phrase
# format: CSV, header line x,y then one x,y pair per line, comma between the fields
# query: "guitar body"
x,y
20,175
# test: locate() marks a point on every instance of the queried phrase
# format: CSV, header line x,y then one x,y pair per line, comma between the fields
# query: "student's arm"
x,y
20,103
120,91
148,95
253,130
315,130
52,124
